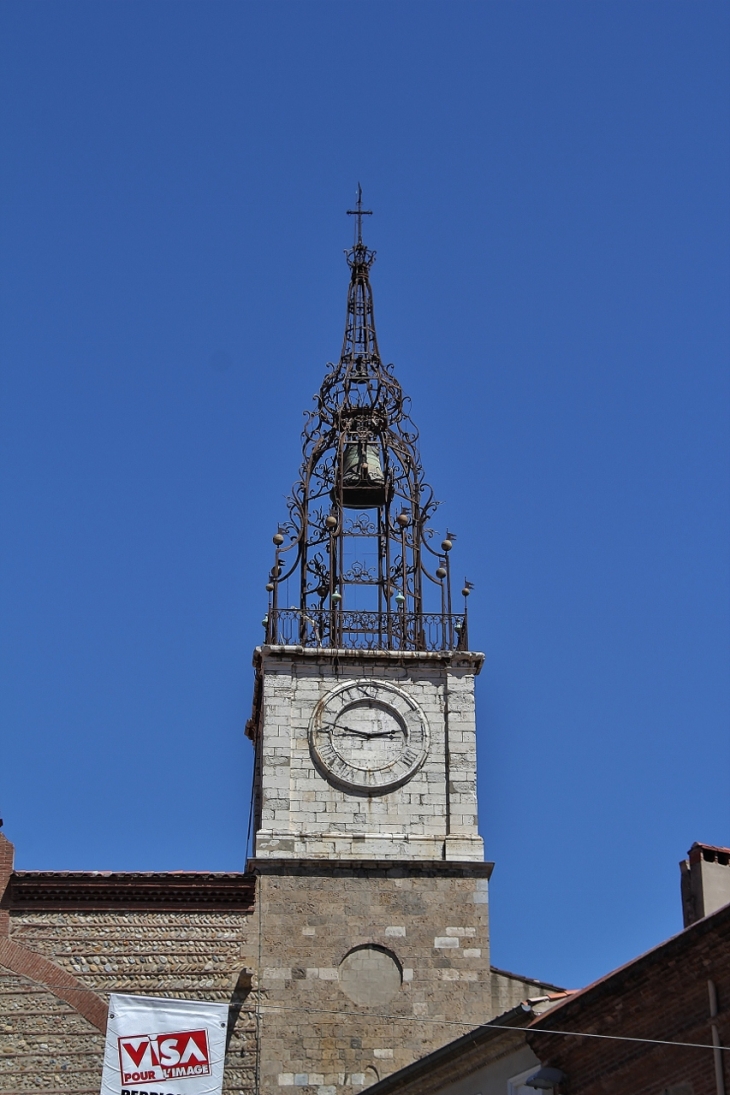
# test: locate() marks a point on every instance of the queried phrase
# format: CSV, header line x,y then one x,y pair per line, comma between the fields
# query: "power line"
x,y
505,1026
457,1023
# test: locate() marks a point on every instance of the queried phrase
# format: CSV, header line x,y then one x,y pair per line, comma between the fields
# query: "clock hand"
x,y
362,733
338,726
370,734
367,733
348,729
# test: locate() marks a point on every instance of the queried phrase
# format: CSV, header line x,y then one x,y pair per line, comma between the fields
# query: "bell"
x,y
360,372
363,481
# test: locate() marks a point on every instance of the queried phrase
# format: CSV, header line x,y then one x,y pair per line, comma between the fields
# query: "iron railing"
x,y
360,630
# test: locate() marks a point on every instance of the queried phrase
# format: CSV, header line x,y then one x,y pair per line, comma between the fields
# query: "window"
x,y
516,1085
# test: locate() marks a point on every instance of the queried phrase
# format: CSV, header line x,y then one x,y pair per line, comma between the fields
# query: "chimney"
x,y
6,869
705,881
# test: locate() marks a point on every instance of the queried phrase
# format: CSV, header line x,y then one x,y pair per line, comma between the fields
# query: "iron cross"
x,y
359,212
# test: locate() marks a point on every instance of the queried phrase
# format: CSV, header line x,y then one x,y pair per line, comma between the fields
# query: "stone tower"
x,y
357,940
372,931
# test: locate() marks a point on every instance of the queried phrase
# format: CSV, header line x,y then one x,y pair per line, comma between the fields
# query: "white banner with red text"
x,y
164,1047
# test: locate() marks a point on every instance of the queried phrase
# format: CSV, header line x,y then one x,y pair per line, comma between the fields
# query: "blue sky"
x,y
550,188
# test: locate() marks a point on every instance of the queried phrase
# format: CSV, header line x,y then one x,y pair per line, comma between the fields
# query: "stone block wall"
x,y
67,940
511,989
302,814
47,1045
366,967
337,975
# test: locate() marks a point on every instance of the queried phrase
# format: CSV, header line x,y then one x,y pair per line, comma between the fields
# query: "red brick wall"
x,y
663,995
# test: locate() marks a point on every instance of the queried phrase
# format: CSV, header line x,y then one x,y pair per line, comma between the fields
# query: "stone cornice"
x,y
65,891
395,868
469,660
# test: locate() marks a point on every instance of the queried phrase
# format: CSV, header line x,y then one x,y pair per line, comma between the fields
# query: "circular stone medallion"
x,y
370,976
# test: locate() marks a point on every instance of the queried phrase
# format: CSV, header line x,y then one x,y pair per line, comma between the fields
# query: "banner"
x,y
164,1047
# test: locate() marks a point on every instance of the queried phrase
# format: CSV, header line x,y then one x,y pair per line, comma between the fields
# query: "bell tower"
x,y
372,880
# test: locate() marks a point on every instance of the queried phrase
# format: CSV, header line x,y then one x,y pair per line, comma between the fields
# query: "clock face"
x,y
368,735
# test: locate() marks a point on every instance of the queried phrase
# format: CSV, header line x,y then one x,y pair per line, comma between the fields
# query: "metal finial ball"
x,y
331,521
265,621
278,539
465,591
269,587
446,545
399,598
441,572
403,519
337,596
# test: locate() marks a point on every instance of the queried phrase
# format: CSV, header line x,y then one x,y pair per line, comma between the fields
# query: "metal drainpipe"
x,y
717,1051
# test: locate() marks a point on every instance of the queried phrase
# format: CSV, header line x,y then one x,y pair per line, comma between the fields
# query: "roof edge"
x,y
518,1017
635,965
97,891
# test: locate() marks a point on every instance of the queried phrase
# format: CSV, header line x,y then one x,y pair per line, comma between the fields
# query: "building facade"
x,y
357,941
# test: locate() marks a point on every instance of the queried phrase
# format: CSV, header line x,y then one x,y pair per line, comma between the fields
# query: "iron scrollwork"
x,y
359,514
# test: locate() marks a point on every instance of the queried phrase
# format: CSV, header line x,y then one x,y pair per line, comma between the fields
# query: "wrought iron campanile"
x,y
355,557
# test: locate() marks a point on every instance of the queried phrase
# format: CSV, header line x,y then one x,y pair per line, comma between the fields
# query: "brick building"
x,y
677,993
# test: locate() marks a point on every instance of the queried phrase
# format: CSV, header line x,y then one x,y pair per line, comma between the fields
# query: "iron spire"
x,y
357,542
